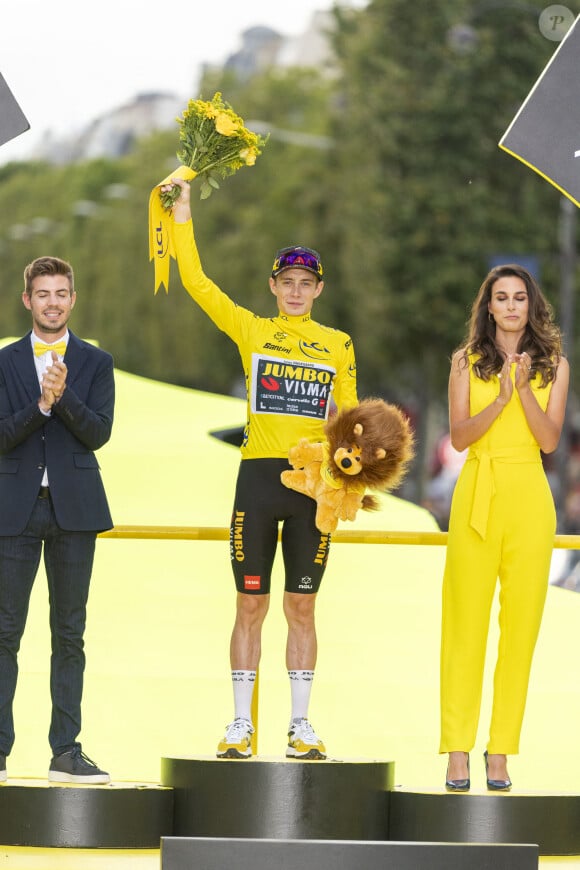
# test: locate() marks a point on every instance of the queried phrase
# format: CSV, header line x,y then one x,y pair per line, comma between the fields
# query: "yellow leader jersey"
x,y
293,366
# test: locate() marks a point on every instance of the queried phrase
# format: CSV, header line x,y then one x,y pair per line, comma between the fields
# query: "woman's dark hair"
x,y
541,340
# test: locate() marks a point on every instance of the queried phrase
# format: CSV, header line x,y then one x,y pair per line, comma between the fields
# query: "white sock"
x,y
300,688
243,686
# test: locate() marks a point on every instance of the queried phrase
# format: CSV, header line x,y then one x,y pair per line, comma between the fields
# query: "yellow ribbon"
x,y
161,247
484,485
59,347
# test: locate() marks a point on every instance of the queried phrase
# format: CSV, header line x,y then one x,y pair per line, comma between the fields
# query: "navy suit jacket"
x,y
64,443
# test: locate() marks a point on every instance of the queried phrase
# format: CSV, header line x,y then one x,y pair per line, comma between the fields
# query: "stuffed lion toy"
x,y
367,447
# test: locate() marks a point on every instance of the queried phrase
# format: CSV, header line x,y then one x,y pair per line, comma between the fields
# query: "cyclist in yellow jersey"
x,y
293,367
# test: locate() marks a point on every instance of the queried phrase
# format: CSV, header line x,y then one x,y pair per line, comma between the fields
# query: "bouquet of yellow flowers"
x,y
215,143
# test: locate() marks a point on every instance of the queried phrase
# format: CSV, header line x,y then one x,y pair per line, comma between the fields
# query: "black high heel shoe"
x,y
496,784
458,784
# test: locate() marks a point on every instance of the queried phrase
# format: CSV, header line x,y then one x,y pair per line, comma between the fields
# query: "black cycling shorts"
x,y
261,502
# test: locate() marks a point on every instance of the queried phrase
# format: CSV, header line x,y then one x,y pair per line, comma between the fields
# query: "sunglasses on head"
x,y
299,258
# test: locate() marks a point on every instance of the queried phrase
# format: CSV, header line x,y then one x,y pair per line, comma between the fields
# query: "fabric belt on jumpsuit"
x,y
484,485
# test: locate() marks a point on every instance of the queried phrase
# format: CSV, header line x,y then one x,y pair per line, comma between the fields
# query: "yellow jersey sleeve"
x,y
294,367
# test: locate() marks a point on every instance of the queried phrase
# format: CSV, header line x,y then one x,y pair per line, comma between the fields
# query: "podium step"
x,y
550,820
282,799
114,816
279,798
287,801
213,854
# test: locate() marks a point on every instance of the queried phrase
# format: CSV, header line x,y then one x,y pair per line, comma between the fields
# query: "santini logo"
x,y
269,346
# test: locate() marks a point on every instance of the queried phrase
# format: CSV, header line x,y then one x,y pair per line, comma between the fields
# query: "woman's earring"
x,y
490,316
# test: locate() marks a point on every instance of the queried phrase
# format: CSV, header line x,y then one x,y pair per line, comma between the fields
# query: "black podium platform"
x,y
115,816
550,820
356,800
279,798
210,804
183,853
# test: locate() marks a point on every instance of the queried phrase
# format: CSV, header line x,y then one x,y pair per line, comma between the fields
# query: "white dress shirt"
x,y
41,364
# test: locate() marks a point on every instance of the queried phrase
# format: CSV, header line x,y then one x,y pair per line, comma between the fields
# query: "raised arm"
x,y
225,313
182,206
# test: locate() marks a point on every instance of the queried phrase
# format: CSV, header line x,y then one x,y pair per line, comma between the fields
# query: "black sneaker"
x,y
75,766
3,774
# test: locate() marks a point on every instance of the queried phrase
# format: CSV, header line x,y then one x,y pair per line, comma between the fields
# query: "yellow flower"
x,y
225,125
215,143
249,156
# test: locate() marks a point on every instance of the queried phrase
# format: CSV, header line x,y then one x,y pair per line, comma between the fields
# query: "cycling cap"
x,y
297,257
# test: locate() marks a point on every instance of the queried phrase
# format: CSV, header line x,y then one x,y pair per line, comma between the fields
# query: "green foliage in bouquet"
x,y
214,143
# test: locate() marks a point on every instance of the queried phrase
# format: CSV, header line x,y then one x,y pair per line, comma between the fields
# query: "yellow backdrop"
x,y
160,615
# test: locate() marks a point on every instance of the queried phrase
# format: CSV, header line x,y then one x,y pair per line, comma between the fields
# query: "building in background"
x,y
113,134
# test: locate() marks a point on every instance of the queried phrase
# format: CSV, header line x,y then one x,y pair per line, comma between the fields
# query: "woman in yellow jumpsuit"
x,y
507,397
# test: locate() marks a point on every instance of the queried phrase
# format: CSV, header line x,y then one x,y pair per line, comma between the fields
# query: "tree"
x,y
425,196
395,176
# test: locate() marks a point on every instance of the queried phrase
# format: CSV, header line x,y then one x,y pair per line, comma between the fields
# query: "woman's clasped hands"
x,y
523,363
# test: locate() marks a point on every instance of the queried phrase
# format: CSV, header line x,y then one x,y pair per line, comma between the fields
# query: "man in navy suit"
x,y
57,397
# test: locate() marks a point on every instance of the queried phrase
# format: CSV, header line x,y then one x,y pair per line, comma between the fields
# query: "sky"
x,y
68,62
